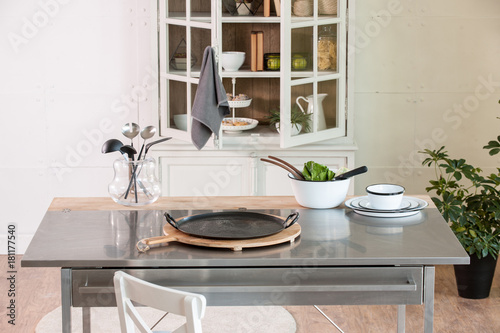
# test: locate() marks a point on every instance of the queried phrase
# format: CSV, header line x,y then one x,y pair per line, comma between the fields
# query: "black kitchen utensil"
x,y
111,145
129,151
134,171
351,173
232,225
153,143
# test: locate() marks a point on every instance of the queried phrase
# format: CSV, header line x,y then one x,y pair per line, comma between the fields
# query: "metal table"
x,y
339,258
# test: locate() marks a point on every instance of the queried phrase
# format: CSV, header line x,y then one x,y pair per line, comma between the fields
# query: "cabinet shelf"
x,y
258,18
225,18
247,73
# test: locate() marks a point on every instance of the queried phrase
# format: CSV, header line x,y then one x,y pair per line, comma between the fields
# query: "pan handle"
x,y
294,217
143,245
171,220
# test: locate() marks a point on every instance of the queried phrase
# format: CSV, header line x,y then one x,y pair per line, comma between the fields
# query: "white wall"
x,y
67,84
421,68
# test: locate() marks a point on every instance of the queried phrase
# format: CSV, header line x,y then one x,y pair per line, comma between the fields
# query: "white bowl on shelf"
x,y
180,121
232,61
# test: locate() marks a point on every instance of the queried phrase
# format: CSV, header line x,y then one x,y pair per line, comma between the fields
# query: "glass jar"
x,y
327,49
135,182
302,8
299,61
272,62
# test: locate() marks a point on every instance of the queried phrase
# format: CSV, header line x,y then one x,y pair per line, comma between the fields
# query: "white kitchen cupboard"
x,y
186,27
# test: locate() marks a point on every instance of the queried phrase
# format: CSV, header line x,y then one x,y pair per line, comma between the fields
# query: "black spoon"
x,y
128,151
353,172
111,145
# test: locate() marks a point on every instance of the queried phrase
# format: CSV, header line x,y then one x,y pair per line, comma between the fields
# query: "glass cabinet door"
x,y
185,29
314,48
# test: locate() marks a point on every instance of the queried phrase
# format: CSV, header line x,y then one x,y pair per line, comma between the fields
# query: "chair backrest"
x,y
129,288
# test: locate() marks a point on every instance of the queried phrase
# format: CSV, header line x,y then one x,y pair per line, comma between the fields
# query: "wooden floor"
x,y
38,292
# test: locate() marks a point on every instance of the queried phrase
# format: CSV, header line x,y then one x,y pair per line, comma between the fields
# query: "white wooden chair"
x,y
129,288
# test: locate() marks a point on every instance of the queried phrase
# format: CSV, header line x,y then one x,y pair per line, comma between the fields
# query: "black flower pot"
x,y
474,280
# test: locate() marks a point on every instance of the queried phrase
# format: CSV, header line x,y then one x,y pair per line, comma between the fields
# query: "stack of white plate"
x,y
409,206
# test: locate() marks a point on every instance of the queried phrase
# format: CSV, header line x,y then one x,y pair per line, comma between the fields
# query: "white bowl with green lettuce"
x,y
322,187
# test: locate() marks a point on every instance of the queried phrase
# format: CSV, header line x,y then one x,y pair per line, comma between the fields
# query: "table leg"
x,y
401,318
66,299
429,280
86,319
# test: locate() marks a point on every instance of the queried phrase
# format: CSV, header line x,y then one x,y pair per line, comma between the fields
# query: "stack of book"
x,y
257,51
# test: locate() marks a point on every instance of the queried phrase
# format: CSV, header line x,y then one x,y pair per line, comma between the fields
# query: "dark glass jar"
x,y
272,62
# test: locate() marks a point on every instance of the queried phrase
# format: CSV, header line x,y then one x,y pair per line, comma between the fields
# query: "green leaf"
x,y
493,144
317,172
494,151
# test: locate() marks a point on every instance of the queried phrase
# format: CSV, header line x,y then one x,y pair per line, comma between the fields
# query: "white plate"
x,y
416,204
401,221
364,203
238,129
386,214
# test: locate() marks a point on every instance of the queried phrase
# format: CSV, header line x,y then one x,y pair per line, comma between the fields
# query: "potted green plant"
x,y
300,121
470,203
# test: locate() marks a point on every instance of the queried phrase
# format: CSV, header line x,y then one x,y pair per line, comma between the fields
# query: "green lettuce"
x,y
317,172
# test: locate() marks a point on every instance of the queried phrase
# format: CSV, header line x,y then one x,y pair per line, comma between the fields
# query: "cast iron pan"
x,y
232,225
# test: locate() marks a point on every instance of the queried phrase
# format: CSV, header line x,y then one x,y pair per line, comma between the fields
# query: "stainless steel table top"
x,y
330,237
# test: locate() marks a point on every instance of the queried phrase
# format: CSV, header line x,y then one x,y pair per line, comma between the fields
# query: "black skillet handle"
x,y
294,217
171,220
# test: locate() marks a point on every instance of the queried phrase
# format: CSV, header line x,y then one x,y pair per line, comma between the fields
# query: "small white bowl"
x,y
320,195
385,196
232,61
180,121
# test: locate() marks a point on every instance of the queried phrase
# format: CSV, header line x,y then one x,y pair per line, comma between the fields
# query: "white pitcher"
x,y
310,108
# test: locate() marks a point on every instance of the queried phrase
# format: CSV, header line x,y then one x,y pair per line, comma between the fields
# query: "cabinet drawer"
x,y
266,286
206,176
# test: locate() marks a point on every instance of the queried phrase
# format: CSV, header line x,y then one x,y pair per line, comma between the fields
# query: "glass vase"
x,y
135,182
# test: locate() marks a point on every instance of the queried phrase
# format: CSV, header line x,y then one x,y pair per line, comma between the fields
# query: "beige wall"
x,y
427,75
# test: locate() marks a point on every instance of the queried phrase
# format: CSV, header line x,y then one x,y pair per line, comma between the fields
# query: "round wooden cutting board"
x,y
173,235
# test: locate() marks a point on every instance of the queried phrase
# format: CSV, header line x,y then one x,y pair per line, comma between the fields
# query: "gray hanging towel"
x,y
210,103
